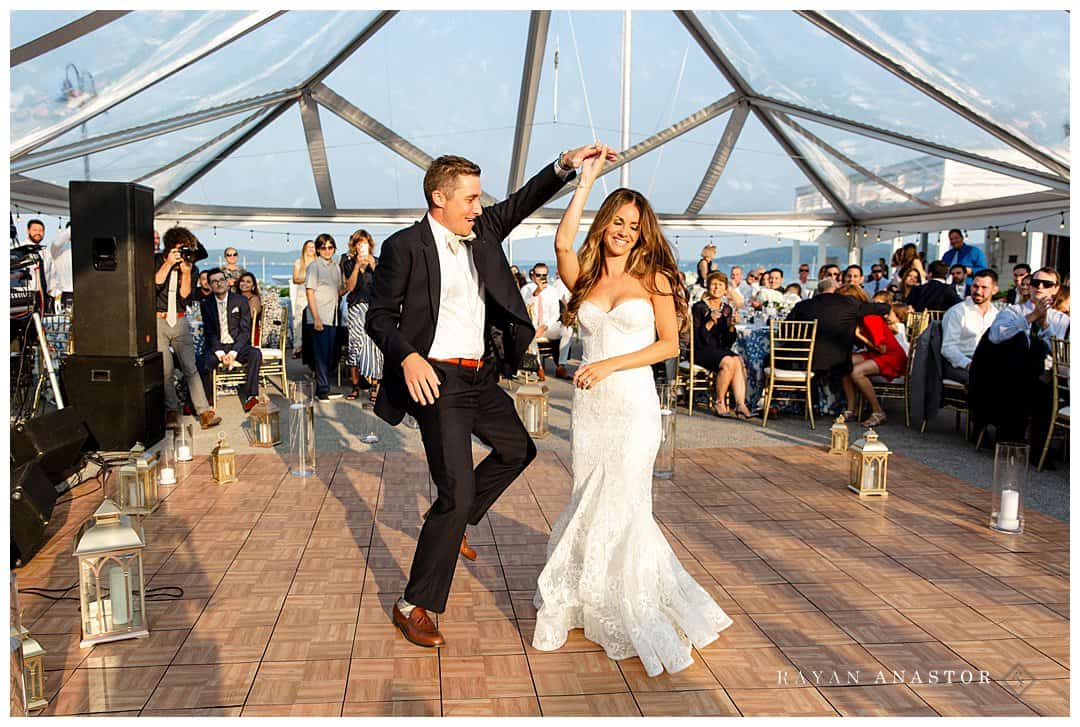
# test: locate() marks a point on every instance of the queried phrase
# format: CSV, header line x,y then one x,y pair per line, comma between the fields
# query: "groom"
x,y
447,315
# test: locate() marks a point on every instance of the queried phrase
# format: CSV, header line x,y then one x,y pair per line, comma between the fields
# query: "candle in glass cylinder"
x,y
1009,514
118,595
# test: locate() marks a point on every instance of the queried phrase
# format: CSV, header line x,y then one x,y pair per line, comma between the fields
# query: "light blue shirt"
x,y
1011,320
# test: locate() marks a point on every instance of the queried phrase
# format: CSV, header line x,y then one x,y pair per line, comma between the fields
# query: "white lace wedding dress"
x,y
609,568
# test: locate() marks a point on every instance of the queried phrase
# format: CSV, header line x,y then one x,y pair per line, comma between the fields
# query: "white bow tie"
x,y
454,242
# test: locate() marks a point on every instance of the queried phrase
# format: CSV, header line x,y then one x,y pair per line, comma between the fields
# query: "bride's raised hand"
x,y
593,165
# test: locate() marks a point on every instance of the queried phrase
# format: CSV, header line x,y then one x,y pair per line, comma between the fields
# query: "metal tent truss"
x,y
312,96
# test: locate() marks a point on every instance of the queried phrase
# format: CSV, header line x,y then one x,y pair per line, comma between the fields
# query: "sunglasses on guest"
x,y
328,247
1042,283
231,254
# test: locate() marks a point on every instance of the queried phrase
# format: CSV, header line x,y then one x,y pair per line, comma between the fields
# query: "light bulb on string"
x,y
215,230
17,216
252,235
879,235
745,241
865,232
1023,232
997,234
847,232
1061,225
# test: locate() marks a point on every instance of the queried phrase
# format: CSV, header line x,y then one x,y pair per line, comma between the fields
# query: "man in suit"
x,y
958,280
447,314
1020,271
227,331
935,293
837,317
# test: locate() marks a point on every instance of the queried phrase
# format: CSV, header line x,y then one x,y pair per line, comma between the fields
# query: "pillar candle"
x,y
118,594
1009,514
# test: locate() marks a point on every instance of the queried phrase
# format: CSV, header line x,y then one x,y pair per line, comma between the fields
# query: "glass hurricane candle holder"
x,y
664,465
1010,481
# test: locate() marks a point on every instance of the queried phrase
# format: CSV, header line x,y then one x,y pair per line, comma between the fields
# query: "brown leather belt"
x,y
179,314
469,363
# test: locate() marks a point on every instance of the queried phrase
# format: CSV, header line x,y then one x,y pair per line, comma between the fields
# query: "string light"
x,y
215,231
997,234
252,234
865,232
1061,225
847,232
745,241
879,235
1023,232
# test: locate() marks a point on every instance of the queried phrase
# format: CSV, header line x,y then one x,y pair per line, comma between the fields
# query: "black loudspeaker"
x,y
54,440
121,397
112,259
32,500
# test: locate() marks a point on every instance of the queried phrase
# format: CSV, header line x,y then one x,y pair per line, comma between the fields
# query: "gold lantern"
x,y
223,462
135,488
265,423
33,671
531,401
838,436
869,463
111,585
17,683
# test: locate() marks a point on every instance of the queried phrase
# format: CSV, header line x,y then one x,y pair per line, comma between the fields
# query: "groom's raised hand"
x,y
420,379
575,157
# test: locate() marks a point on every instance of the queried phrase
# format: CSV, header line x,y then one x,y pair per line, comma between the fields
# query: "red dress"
x,y
892,363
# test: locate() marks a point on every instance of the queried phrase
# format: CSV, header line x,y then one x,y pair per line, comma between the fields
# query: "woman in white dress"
x,y
609,568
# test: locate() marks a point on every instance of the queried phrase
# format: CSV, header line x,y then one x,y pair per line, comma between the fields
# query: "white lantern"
x,y
135,488
17,696
531,401
111,586
1010,481
838,442
869,463
33,672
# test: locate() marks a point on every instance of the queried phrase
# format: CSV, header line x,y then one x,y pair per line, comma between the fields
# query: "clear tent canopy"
x,y
771,120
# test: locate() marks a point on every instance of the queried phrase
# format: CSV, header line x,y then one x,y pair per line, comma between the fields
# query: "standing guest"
x,y
35,233
232,269
853,275
883,357
705,264
1020,271
58,269
958,280
298,293
964,324
364,359
877,281
907,256
157,241
967,256
543,304
837,317
516,272
324,289
442,365
714,319
935,293
172,285
249,288
227,329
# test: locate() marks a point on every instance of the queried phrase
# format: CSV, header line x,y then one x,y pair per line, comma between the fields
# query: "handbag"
x,y
530,362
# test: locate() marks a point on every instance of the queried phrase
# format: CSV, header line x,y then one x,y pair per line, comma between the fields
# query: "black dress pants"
x,y
470,402
251,358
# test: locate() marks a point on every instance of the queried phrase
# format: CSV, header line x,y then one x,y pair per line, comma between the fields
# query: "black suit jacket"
x,y
405,297
932,295
239,318
837,317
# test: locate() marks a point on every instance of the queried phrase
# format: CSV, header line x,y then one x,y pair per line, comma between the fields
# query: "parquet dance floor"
x,y
287,585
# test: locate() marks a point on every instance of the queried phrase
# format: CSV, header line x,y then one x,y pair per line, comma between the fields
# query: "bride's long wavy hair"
x,y
650,255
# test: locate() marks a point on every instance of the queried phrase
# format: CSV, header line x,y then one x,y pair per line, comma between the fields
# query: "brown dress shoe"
x,y
465,549
540,374
418,627
209,419
560,373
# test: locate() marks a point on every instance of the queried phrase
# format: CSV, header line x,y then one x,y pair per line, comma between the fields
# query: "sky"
x,y
461,97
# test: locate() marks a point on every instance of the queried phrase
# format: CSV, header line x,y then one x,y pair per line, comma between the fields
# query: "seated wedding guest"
x,y
738,299
958,280
201,290
804,279
1020,271
897,315
543,304
714,319
1009,375
828,270
793,293
965,323
883,357
249,288
837,317
705,264
878,280
752,283
1061,302
910,279
935,293
853,275
770,291
883,296
227,328
232,268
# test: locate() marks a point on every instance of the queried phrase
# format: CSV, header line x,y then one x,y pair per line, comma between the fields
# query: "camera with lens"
x,y
188,253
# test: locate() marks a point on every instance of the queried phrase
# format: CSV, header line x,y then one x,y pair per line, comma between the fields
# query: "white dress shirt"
x,y
962,326
459,329
547,312
1011,320
223,326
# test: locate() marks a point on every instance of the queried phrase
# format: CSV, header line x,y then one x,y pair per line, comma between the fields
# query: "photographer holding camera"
x,y
172,284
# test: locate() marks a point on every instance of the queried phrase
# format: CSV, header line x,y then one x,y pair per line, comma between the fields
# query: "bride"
x,y
609,568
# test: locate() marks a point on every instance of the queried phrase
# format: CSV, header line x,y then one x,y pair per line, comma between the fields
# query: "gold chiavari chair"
x,y
790,343
1059,378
